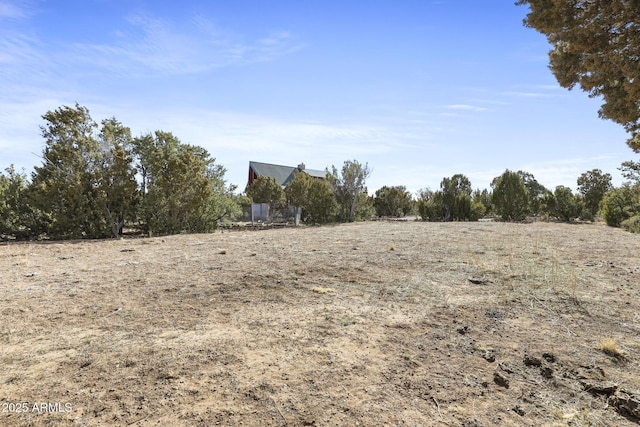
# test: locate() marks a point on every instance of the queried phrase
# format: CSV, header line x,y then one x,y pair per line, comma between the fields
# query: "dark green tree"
x,y
593,185
478,210
455,198
482,198
118,183
535,190
321,204
183,189
393,201
453,202
510,197
595,44
67,186
427,209
348,185
265,189
297,191
18,220
315,196
621,204
563,204
631,171
86,186
365,210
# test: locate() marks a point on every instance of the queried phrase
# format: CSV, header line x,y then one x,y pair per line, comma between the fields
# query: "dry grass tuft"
x,y
610,347
321,290
392,247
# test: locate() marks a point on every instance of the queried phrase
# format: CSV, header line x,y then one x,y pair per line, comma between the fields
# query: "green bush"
x,y
586,215
510,197
478,210
567,206
621,204
392,201
632,224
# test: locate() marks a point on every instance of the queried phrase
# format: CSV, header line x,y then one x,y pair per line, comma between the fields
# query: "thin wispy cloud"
x,y
525,91
251,133
566,171
14,9
465,107
555,87
20,50
198,69
16,47
521,94
153,45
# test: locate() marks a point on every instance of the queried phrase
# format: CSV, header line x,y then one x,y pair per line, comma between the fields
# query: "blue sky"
x,y
418,89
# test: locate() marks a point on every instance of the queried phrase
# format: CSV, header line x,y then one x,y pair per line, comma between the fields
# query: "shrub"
x,y
566,206
431,205
478,210
621,204
510,197
593,185
321,204
586,215
632,224
392,201
454,198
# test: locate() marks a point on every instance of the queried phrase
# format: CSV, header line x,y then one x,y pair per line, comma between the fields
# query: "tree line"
x,y
513,196
95,179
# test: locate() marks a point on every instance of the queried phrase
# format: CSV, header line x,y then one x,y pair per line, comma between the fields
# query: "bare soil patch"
x,y
371,324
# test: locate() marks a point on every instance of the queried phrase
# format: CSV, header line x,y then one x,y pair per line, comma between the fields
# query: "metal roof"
x,y
282,174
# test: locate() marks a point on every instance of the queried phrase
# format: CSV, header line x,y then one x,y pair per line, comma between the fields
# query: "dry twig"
x,y
437,406
279,411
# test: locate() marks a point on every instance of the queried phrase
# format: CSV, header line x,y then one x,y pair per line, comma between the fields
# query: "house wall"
x,y
259,212
252,176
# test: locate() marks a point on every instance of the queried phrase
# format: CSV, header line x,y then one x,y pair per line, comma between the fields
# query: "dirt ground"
x,y
370,324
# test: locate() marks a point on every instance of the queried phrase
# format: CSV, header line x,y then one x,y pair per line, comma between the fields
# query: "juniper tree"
x,y
510,197
595,45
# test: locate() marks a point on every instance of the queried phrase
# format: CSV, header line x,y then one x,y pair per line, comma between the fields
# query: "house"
x,y
282,174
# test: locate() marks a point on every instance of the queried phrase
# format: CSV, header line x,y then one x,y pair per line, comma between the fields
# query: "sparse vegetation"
x,y
321,290
610,347
632,224
332,335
